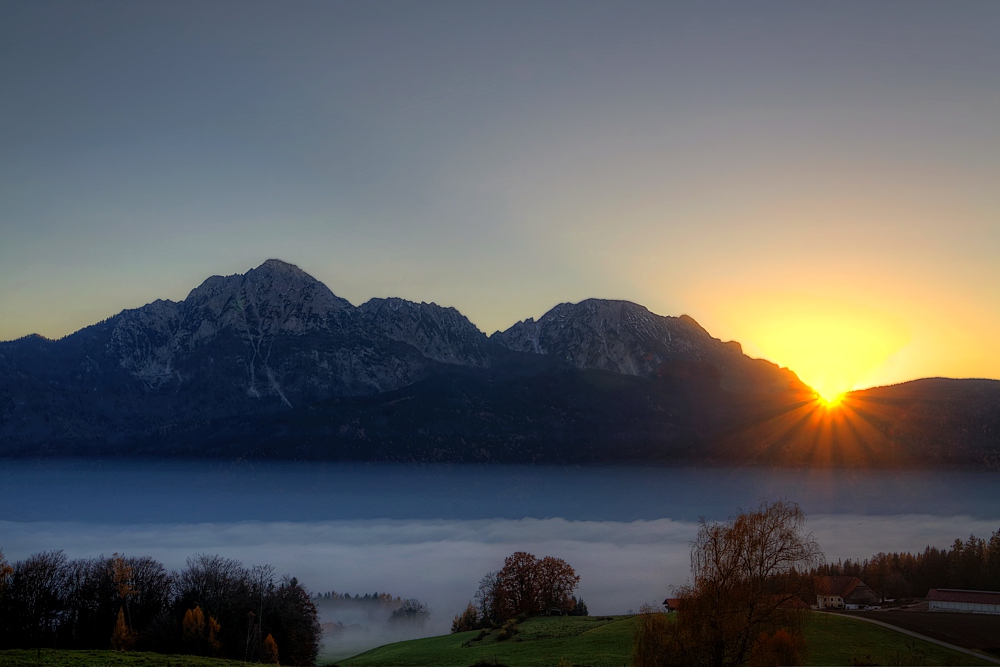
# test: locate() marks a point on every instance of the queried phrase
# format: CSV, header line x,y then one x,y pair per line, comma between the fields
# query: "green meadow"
x,y
603,641
54,658
594,641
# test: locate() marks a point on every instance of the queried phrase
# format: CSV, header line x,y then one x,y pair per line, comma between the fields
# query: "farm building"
x,y
954,599
842,593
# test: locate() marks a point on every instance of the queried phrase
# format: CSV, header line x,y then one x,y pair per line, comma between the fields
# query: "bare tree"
x,y
743,601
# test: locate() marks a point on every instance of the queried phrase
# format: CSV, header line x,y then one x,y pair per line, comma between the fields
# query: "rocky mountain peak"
x,y
279,267
625,337
270,288
440,333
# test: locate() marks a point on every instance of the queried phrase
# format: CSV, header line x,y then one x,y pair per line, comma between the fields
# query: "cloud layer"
x,y
621,564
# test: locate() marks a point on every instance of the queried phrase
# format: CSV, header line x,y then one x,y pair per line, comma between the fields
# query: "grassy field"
x,y
607,642
52,658
836,640
975,631
596,641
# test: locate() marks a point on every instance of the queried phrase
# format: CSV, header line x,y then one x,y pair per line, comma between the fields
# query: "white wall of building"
x,y
968,607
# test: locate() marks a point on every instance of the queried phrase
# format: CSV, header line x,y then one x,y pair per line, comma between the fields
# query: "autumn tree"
x,y
123,638
200,635
269,654
556,581
743,600
527,586
467,620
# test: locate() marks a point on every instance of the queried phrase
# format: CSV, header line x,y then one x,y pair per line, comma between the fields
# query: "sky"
x,y
815,180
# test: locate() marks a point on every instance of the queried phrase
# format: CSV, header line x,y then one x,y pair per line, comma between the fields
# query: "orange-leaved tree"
x,y
743,607
269,651
200,634
123,638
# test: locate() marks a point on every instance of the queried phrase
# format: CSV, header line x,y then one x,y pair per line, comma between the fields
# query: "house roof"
x,y
672,603
839,586
959,595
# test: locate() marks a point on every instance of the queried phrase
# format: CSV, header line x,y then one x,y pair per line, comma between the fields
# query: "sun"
x,y
832,345
830,402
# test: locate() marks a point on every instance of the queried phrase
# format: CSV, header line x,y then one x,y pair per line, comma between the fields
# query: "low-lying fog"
x,y
431,532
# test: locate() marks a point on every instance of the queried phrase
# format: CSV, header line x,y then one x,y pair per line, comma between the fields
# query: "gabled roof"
x,y
839,586
960,595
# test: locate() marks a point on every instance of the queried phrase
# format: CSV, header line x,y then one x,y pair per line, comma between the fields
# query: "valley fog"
x,y
431,532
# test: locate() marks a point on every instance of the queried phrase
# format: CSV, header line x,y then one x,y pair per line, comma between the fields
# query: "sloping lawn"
x,y
607,642
601,641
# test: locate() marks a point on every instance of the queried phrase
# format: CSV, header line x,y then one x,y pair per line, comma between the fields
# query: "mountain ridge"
x,y
273,361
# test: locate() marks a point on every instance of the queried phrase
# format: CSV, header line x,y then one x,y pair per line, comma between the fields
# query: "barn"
x,y
842,593
955,599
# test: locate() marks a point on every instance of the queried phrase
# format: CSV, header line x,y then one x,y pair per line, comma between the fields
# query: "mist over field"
x,y
431,533
621,564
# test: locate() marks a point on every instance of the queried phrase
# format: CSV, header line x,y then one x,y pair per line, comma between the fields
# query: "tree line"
x,y
377,599
973,565
215,606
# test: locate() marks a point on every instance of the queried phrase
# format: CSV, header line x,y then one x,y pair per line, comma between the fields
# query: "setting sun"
x,y
830,402
833,346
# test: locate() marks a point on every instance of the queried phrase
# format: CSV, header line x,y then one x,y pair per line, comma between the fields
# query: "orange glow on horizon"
x,y
832,345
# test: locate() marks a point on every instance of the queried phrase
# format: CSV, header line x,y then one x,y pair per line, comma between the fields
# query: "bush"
x,y
508,630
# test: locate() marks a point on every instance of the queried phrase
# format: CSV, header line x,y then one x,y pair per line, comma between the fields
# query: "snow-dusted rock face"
x,y
276,332
274,298
625,337
442,334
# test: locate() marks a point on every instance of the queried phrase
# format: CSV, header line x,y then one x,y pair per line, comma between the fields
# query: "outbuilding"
x,y
970,602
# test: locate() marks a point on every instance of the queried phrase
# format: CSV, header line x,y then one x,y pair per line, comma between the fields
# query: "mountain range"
x,y
273,364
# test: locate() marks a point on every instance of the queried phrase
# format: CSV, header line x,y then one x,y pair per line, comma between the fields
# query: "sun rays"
x,y
815,431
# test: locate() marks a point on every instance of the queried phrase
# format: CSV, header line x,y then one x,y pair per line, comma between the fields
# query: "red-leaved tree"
x,y
526,586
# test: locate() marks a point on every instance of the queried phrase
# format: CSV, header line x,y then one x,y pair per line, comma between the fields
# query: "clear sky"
x,y
818,180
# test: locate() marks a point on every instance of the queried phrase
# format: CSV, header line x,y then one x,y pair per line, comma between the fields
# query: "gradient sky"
x,y
820,181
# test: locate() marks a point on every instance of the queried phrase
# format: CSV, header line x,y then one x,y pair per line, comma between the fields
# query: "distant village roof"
x,y
959,595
